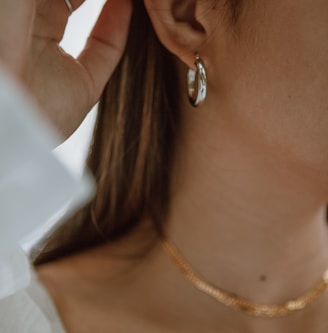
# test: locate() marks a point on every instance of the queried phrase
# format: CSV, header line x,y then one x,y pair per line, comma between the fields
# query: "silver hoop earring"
x,y
197,82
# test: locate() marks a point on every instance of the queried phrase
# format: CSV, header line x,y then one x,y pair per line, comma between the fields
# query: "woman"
x,y
239,184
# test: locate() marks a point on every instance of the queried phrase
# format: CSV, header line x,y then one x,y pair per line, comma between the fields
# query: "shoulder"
x,y
89,285
29,311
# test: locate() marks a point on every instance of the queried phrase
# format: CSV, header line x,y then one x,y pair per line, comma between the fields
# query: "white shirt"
x,y
34,186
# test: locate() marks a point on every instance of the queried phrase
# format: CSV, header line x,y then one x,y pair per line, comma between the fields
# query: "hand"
x,y
66,88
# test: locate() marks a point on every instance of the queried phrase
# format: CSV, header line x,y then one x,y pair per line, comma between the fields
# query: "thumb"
x,y
106,43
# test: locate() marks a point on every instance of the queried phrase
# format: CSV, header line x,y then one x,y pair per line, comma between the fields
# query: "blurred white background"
x,y
73,151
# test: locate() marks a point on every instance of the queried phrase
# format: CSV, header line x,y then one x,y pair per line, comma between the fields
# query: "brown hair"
x,y
133,146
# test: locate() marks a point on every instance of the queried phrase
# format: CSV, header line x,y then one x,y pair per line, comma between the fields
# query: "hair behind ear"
x,y
132,150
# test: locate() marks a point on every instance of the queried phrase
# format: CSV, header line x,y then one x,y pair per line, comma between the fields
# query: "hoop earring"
x,y
197,83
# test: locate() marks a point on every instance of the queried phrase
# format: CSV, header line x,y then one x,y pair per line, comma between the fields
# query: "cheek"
x,y
276,78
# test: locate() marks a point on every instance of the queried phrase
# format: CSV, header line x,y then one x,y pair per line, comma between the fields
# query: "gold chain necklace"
x,y
238,303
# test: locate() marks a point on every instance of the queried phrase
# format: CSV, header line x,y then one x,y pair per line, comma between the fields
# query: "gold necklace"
x,y
238,303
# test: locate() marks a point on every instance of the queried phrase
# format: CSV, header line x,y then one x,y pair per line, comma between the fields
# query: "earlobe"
x,y
180,26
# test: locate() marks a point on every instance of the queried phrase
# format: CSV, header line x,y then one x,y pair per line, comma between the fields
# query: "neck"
x,y
250,222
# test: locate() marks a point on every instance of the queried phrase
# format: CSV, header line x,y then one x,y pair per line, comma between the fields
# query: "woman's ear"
x,y
182,25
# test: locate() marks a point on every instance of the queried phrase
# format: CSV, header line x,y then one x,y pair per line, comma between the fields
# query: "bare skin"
x,y
250,184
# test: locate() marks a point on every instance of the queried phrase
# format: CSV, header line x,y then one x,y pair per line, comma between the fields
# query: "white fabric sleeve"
x,y
34,185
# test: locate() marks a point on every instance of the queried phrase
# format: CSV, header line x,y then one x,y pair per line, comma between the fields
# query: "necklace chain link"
x,y
238,303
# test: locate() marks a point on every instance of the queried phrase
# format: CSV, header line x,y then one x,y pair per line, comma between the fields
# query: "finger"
x,y
73,5
52,16
69,6
106,43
